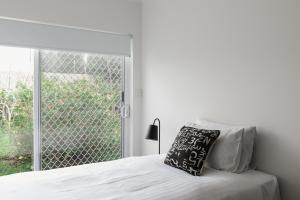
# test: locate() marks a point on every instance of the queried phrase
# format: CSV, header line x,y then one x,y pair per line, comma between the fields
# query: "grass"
x,y
10,159
16,165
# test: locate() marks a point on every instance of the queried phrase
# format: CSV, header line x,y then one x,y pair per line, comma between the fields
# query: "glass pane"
x,y
80,108
16,109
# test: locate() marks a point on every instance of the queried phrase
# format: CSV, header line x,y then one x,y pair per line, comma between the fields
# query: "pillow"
x,y
190,149
227,151
247,142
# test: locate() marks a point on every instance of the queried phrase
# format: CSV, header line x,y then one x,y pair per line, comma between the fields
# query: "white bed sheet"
x,y
140,178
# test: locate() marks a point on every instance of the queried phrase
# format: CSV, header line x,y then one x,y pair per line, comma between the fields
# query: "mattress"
x,y
141,178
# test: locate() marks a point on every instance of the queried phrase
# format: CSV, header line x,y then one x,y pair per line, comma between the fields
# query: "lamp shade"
x,y
152,133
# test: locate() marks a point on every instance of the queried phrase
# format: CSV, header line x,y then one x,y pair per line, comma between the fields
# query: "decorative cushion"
x,y
190,149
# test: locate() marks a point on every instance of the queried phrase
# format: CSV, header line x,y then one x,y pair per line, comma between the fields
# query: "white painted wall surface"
x,y
120,16
235,61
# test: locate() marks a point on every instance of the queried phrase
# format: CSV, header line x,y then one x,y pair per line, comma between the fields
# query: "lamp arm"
x,y
156,119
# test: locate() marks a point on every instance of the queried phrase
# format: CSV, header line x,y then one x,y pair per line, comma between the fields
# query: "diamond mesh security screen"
x,y
80,108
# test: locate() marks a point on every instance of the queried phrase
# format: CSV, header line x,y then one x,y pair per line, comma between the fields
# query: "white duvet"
x,y
137,178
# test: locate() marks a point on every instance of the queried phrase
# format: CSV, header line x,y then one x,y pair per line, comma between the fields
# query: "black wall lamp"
x,y
154,133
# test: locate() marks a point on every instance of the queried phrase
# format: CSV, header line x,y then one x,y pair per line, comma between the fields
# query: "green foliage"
x,y
16,109
14,166
16,124
69,108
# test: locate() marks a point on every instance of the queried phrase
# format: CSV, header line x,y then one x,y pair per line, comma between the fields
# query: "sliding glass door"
x,y
59,109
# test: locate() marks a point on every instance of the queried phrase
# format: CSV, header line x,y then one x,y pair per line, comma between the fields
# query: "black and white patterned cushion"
x,y
190,149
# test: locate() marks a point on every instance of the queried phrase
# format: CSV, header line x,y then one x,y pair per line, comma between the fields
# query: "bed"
x,y
141,178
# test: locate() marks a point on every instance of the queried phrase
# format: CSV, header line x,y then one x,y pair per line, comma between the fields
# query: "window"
x,y
60,107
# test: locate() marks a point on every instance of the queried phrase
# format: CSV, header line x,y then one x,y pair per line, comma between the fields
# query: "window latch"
x,y
125,111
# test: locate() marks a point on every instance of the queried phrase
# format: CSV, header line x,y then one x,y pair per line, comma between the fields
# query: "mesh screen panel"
x,y
80,108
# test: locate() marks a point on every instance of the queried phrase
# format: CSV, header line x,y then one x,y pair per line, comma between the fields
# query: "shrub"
x,y
69,108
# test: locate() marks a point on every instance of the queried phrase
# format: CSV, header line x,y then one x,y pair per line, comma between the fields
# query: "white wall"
x,y
120,16
235,61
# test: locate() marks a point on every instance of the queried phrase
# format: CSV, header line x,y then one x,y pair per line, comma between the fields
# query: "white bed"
x,y
137,178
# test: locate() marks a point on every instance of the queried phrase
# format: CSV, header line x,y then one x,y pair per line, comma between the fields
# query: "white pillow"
x,y
226,152
248,149
248,138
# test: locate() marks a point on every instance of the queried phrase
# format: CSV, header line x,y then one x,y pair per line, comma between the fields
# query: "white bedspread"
x,y
137,178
